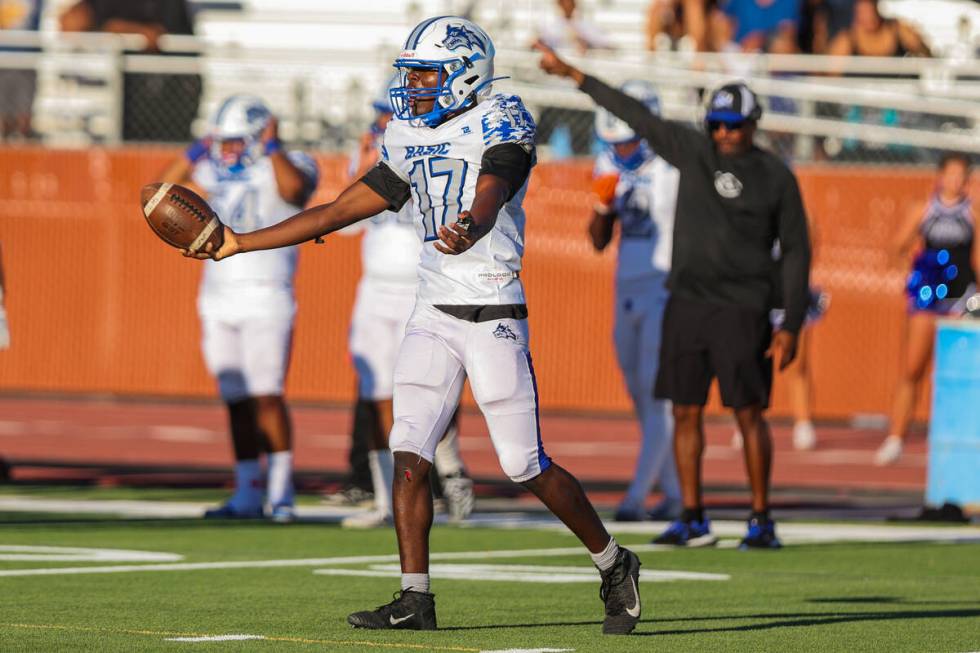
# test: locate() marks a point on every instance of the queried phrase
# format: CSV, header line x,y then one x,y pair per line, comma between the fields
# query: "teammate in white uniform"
x,y
464,157
638,190
246,305
385,298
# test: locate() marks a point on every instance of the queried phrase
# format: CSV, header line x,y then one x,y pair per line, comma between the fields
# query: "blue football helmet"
x,y
240,117
461,52
613,131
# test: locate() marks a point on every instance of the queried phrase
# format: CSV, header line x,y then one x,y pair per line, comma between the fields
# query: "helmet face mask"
x,y
236,133
462,55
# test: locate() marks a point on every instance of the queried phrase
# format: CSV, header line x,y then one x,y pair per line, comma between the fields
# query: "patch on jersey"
x,y
727,184
460,36
508,121
504,332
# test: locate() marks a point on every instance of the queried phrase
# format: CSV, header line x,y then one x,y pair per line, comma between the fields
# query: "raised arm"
x,y
675,143
292,184
181,169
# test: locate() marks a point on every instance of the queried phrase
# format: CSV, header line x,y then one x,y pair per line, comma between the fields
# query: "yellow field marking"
x,y
267,638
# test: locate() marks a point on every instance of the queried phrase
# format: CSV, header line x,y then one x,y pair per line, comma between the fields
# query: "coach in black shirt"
x,y
734,202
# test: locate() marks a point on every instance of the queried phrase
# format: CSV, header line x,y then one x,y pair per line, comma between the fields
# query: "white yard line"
x,y
215,638
302,562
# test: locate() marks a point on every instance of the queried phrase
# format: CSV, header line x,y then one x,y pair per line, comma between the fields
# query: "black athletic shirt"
x,y
730,210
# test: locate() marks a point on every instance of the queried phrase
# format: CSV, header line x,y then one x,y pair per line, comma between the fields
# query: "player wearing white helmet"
x,y
464,157
638,190
385,298
246,305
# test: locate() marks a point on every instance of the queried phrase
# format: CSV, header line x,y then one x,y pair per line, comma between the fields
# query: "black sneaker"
x,y
761,535
621,594
410,610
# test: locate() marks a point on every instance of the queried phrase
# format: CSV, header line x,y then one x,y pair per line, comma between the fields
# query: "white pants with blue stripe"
x,y
439,352
639,317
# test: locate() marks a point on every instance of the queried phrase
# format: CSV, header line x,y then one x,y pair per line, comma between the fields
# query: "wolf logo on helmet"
x,y
458,36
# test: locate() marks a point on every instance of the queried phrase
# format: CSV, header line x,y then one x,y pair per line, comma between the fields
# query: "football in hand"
x,y
180,217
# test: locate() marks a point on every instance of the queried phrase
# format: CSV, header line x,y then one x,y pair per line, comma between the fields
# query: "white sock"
x,y
607,558
279,485
447,459
248,485
415,582
382,465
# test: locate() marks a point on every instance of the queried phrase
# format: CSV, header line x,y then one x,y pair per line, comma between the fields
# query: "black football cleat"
x,y
621,593
410,610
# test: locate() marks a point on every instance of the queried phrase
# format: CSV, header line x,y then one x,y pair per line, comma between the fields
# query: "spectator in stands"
x,y
18,85
822,21
733,202
943,278
568,30
156,106
871,35
684,24
763,25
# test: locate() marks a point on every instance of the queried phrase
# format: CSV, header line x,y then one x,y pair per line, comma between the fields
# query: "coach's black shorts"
x,y
702,341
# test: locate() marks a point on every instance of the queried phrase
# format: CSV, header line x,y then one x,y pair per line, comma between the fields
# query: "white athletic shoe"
x,y
804,436
460,498
369,519
889,452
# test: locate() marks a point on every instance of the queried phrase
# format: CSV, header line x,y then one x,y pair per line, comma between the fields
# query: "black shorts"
x,y
702,341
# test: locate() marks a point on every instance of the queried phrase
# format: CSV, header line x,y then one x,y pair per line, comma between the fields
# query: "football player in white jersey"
x,y
638,190
463,156
385,298
246,305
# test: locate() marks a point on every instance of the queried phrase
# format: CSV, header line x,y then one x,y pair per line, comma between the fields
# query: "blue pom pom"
x,y
951,272
942,257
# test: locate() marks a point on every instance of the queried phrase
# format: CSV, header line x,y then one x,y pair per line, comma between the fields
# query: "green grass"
x,y
841,597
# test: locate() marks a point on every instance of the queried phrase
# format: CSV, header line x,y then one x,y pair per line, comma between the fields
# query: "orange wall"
x,y
98,305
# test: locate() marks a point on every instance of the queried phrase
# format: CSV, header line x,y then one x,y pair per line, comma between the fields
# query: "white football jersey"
x,y
441,166
390,247
248,201
646,200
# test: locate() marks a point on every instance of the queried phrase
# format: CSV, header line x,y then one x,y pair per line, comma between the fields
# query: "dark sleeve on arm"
x,y
677,144
510,162
794,240
383,181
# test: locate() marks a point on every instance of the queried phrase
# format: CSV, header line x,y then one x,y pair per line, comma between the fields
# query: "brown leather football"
x,y
180,217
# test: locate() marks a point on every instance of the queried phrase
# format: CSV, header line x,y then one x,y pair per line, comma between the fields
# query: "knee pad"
x,y
405,437
518,466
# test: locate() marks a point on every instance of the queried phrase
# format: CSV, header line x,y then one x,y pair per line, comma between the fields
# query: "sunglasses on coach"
x,y
715,125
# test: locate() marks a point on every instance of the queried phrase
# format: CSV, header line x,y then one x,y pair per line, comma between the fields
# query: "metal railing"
x,y
850,108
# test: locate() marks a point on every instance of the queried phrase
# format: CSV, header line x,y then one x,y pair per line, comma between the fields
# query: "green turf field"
x,y
821,597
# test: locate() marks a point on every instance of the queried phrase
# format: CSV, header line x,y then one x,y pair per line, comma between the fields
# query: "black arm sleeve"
x,y
794,241
677,144
383,181
510,162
